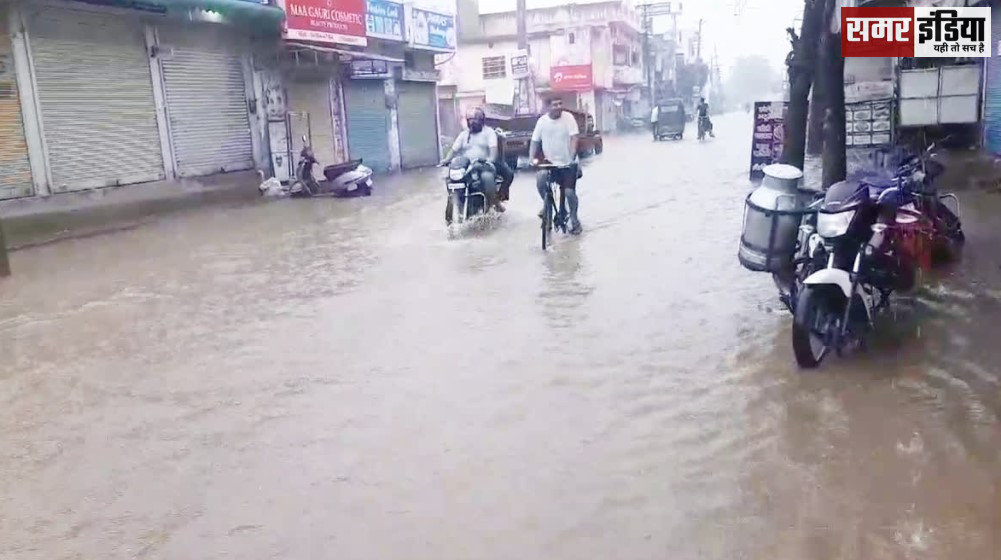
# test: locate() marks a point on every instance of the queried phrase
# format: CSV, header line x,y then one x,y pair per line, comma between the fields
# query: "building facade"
x,y
93,95
589,54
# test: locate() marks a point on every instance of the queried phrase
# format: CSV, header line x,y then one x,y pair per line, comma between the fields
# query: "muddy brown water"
x,y
338,379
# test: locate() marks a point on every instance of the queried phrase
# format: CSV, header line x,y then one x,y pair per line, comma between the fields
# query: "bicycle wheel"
x,y
547,221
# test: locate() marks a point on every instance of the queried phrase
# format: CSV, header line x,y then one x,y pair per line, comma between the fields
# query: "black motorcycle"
x,y
466,198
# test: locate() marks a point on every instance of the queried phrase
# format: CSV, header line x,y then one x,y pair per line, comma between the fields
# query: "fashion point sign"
x,y
571,78
325,21
916,31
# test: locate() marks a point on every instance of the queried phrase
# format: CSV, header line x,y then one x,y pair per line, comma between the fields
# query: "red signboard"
x,y
877,32
571,78
325,21
916,31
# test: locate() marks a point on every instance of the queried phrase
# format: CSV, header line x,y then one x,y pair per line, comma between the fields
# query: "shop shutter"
x,y
15,173
368,122
96,99
312,97
206,93
417,110
992,94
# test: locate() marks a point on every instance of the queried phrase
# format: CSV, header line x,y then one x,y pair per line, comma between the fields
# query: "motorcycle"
x,y
854,246
466,198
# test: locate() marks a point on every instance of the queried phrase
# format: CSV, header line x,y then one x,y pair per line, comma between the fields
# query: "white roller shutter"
x,y
312,97
206,95
417,109
96,98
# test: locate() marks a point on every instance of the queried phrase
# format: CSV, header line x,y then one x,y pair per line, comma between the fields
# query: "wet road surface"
x,y
338,379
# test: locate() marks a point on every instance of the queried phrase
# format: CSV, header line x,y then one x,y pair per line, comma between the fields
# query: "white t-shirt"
x,y
554,136
475,146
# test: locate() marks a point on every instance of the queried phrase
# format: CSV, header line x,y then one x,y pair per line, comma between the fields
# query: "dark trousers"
x,y
507,177
566,178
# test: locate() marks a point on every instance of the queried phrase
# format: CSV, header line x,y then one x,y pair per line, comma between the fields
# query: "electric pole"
x,y
698,45
648,12
525,96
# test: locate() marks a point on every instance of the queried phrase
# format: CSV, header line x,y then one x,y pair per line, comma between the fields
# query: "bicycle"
x,y
554,211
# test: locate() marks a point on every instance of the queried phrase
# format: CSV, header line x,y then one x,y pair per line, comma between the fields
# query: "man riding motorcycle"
x,y
479,143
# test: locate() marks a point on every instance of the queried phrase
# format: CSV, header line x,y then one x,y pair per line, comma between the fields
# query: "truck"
x,y
515,135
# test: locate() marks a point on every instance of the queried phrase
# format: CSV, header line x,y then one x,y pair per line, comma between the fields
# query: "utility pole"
x,y
648,12
698,45
525,97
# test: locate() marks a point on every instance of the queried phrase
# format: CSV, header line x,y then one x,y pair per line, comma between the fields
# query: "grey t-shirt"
x,y
475,146
554,136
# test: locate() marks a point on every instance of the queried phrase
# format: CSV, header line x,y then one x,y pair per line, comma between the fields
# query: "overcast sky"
x,y
758,29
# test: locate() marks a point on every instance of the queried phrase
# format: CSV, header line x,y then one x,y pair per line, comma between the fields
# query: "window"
x,y
571,38
636,58
494,67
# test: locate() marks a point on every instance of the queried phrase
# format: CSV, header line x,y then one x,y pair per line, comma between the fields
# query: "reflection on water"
x,y
297,379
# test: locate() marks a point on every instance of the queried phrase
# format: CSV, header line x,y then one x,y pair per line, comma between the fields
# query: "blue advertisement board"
x,y
433,30
384,20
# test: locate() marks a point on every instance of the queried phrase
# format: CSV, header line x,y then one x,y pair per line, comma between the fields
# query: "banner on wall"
x,y
431,30
325,21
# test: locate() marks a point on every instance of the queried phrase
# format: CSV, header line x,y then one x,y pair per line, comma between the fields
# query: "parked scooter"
x,y
349,179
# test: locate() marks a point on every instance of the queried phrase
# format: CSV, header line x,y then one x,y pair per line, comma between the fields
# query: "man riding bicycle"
x,y
555,135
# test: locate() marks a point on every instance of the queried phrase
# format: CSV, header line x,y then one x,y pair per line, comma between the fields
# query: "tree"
x,y
800,66
832,82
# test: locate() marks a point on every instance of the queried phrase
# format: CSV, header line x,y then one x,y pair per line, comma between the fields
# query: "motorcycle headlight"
x,y
456,174
834,225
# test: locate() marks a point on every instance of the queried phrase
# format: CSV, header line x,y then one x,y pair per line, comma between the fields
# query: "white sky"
x,y
759,29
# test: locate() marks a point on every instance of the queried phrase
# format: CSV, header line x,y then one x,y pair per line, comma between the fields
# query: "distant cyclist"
x,y
702,111
556,134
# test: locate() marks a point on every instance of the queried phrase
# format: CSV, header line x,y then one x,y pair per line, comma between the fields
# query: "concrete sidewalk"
x,y
34,221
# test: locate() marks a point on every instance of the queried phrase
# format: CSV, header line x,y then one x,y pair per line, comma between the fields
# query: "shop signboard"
x,y
571,78
325,21
432,30
370,70
768,135
384,20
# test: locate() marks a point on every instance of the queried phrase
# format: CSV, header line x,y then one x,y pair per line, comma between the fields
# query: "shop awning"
x,y
344,54
240,12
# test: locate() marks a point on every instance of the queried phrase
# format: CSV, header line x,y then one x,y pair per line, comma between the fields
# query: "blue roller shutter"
x,y
368,122
992,93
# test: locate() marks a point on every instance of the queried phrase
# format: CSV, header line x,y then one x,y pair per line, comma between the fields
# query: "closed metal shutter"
x,y
15,173
368,122
992,94
206,94
96,98
417,112
312,97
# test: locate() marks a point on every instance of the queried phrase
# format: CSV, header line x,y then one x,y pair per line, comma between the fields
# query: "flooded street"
x,y
304,379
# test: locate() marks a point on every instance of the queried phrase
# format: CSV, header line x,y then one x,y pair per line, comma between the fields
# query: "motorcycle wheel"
x,y
808,348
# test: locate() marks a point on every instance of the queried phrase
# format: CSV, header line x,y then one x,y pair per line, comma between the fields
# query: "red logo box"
x,y
868,32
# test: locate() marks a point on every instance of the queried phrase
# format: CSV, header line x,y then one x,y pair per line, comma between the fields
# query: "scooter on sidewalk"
x,y
344,180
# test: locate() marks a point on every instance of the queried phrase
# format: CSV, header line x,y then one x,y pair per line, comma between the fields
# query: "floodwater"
x,y
338,379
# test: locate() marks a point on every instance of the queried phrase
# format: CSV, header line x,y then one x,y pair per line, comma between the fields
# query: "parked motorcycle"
x,y
466,198
837,257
